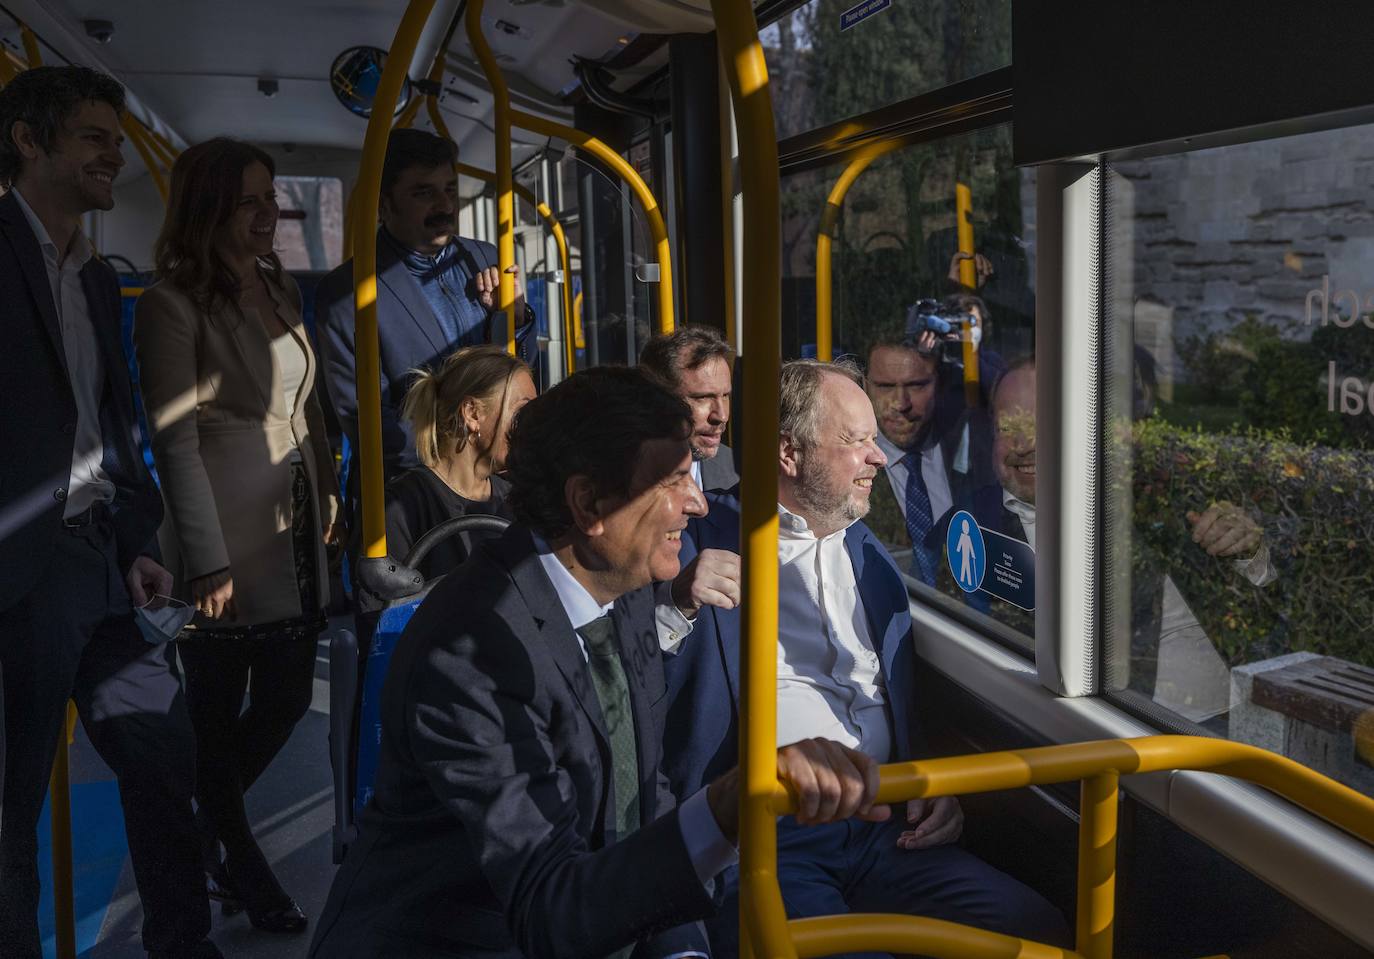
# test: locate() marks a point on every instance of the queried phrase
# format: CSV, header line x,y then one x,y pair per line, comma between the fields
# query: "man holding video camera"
x,y
937,443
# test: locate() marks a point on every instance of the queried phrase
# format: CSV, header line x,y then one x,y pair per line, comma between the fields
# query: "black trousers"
x,y
234,745
74,637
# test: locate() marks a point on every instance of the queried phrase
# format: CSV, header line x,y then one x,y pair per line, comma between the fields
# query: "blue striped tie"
x,y
919,521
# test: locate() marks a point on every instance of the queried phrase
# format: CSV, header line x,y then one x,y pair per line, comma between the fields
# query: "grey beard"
x,y
814,494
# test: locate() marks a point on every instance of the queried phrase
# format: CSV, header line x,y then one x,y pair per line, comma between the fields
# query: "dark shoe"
x,y
219,887
287,919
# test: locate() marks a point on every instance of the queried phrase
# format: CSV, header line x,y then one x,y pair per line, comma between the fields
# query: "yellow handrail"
x,y
138,136
825,344
60,793
10,67
763,921
505,196
1099,764
658,229
968,277
31,51
579,339
367,193
559,238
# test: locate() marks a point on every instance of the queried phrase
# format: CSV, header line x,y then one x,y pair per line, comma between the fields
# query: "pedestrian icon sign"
x,y
966,552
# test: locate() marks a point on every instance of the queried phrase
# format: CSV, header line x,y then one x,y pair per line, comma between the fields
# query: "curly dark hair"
x,y
46,98
592,424
669,355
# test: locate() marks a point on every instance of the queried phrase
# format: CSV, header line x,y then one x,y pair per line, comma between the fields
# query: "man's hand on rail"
x,y
936,822
712,579
982,268
489,290
829,782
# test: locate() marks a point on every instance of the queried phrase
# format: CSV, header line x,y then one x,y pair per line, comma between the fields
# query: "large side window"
x,y
947,344
310,234
1240,443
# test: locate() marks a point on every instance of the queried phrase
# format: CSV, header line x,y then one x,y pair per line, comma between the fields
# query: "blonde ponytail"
x,y
434,402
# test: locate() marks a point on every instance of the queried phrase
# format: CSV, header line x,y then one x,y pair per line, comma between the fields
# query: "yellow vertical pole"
x,y
968,277
763,920
579,340
59,789
8,70
564,264
367,193
1097,865
830,218
505,195
136,134
31,51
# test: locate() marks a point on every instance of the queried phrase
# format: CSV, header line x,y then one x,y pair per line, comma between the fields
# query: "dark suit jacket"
x,y
718,473
486,835
701,738
38,418
408,336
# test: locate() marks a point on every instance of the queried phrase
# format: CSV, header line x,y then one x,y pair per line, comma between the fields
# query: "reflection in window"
x,y
1240,478
821,72
957,427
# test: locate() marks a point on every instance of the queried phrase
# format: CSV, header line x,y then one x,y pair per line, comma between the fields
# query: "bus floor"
x,y
291,808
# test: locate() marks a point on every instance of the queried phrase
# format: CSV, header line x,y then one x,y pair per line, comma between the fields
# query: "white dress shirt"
x,y
88,483
830,681
707,847
932,471
696,472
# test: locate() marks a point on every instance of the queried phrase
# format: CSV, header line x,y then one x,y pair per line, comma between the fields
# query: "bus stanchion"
x,y
60,807
968,278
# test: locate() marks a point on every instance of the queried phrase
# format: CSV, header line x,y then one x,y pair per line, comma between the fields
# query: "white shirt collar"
x,y
80,250
696,473
793,526
579,604
1023,511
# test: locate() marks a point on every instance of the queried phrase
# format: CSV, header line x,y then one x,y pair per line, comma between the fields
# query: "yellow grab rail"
x,y
763,921
31,51
139,137
968,277
1099,764
60,792
830,219
658,229
367,195
505,196
559,238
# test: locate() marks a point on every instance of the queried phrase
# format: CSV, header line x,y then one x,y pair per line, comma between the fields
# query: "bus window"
x,y
956,505
905,49
310,233
1240,438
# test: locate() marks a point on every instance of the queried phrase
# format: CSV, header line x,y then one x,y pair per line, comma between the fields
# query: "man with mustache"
x,y
79,515
846,672
436,293
936,449
519,808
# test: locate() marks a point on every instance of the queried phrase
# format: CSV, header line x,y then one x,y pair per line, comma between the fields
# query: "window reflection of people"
x,y
1160,613
936,453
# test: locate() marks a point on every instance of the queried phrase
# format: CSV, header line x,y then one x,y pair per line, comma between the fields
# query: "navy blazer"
x,y
408,336
38,418
701,737
487,832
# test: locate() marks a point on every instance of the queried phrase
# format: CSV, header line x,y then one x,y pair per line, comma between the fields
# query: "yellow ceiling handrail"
x,y
367,196
139,137
505,196
763,920
32,53
658,229
825,235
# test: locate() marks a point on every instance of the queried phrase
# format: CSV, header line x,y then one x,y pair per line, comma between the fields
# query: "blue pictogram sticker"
x,y
965,551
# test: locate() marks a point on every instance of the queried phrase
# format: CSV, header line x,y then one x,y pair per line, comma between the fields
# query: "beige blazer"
x,y
221,435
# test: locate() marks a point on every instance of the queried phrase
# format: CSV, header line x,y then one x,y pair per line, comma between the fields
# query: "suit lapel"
x,y
401,284
552,622
30,256
719,529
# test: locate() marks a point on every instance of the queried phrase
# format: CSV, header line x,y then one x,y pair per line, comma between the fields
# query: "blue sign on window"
x,y
862,11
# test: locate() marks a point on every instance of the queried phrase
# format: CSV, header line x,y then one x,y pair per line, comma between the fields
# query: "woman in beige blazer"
x,y
238,436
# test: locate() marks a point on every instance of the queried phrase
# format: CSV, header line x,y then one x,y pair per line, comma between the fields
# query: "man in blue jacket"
x,y
846,672
436,293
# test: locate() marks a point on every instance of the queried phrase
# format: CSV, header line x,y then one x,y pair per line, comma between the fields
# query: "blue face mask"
x,y
162,618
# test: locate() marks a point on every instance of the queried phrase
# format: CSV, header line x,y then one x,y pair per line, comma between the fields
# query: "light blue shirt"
x,y
707,847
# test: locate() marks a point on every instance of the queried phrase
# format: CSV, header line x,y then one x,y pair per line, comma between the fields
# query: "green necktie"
x,y
608,677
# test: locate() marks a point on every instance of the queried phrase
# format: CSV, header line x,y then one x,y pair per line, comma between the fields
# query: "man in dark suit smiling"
x,y
78,517
519,807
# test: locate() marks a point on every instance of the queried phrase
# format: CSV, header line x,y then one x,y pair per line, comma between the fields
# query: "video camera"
x,y
948,325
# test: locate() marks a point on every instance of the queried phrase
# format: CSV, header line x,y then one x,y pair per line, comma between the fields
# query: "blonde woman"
x,y
460,416
238,435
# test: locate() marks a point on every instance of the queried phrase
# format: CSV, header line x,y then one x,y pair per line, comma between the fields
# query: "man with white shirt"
x,y
519,808
78,521
846,671
694,362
